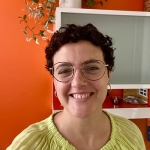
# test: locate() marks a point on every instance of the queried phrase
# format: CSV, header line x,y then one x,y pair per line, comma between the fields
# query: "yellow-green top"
x,y
44,135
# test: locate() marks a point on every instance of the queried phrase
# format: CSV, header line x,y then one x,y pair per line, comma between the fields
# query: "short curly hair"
x,y
72,33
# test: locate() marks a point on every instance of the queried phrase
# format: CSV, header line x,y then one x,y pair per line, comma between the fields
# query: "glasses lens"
x,y
62,72
94,70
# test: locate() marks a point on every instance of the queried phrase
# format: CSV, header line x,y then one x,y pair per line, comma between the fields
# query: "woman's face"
x,y
81,97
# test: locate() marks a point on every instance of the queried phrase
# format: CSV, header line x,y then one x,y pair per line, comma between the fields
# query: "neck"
x,y
90,126
92,132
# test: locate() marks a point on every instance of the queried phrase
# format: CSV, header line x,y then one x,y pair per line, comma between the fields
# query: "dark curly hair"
x,y
72,33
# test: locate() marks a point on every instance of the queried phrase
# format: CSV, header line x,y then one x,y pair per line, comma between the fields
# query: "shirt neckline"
x,y
65,143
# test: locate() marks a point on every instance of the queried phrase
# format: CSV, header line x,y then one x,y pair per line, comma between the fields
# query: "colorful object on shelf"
x,y
147,5
116,100
115,97
136,96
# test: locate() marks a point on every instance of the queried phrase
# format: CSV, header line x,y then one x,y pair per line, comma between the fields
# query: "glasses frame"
x,y
105,65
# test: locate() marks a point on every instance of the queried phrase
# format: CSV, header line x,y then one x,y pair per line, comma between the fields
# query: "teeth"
x,y
80,96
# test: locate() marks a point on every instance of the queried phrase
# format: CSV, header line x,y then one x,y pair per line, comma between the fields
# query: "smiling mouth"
x,y
81,96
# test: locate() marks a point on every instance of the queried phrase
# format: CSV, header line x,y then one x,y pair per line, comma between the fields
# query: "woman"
x,y
81,60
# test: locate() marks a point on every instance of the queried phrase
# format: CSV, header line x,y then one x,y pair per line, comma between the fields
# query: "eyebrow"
x,y
89,61
63,65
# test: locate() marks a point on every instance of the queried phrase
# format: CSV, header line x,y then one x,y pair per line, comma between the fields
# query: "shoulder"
x,y
124,130
36,135
123,123
39,136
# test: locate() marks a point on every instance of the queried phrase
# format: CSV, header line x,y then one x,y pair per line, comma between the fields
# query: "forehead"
x,y
77,53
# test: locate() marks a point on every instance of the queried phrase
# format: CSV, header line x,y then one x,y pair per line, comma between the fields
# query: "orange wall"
x,y
25,85
133,5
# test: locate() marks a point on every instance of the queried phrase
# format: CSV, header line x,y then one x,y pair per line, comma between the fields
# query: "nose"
x,y
78,79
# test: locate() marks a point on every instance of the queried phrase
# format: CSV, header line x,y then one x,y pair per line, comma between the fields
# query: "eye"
x,y
65,72
91,69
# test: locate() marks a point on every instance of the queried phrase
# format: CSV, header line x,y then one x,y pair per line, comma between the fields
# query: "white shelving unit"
x,y
131,33
129,113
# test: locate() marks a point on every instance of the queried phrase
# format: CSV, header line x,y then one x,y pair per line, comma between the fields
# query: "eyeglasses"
x,y
91,70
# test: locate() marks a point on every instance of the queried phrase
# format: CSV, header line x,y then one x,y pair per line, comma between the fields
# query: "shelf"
x,y
129,113
130,86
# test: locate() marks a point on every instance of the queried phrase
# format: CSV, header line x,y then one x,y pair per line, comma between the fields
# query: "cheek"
x,y
61,88
102,86
102,89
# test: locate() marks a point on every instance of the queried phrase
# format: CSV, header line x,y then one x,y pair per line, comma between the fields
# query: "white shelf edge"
x,y
100,11
60,10
130,86
129,113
